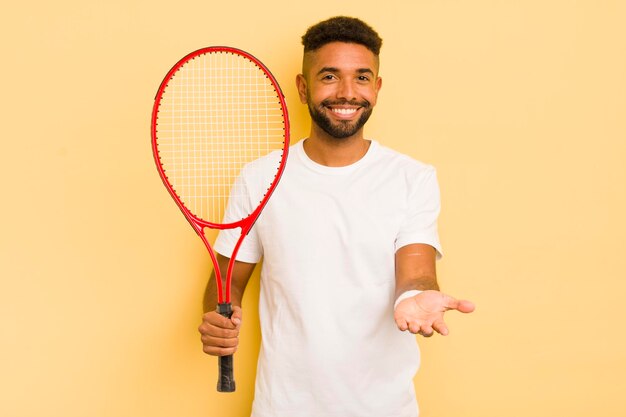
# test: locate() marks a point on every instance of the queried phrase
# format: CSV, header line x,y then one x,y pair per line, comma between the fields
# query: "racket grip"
x,y
226,378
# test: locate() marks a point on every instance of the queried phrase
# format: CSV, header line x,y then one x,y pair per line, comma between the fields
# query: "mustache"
x,y
330,103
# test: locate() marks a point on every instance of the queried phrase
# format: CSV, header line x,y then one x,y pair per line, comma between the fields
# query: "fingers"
x,y
236,317
219,346
440,327
424,329
405,324
402,324
220,335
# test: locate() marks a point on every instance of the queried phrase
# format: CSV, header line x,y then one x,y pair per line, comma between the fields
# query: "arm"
x,y
219,335
422,313
415,268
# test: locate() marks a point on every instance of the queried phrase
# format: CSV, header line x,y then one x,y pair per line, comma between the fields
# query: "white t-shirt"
x,y
328,237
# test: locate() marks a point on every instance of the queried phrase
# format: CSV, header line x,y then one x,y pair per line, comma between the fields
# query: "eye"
x,y
328,77
363,78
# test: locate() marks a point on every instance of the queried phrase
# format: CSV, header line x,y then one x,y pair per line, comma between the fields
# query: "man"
x,y
350,231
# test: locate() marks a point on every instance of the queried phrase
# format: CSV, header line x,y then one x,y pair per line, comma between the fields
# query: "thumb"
x,y
237,316
464,306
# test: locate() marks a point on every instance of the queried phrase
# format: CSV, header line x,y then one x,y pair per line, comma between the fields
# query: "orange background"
x,y
520,105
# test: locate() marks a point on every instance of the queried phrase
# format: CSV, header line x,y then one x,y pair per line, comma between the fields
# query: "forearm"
x,y
421,313
240,276
415,269
210,295
421,283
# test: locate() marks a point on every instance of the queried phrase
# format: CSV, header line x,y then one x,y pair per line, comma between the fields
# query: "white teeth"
x,y
344,111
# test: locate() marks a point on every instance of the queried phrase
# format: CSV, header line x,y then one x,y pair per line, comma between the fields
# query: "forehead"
x,y
342,56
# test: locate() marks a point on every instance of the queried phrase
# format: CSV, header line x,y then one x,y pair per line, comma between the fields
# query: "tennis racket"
x,y
217,110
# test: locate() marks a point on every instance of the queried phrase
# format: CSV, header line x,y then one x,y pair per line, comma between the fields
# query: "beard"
x,y
343,128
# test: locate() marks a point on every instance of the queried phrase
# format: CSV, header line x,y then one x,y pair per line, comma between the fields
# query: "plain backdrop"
x,y
520,105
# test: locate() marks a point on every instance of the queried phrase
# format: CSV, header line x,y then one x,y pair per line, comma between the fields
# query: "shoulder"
x,y
269,162
403,164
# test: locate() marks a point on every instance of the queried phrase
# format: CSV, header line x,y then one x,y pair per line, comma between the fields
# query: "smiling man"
x,y
349,243
340,84
338,72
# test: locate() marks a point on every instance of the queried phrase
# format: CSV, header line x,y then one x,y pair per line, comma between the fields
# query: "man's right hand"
x,y
220,335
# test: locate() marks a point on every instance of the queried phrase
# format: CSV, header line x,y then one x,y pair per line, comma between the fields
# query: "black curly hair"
x,y
341,29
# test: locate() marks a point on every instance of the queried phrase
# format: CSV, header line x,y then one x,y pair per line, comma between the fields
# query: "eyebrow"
x,y
335,70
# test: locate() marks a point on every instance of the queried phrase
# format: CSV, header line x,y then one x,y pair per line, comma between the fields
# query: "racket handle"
x,y
226,379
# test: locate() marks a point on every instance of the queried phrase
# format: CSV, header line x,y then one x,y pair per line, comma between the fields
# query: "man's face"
x,y
340,85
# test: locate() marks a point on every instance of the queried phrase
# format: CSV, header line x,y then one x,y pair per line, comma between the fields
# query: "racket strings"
x,y
218,113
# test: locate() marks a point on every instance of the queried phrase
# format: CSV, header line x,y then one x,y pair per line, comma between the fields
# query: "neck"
x,y
333,152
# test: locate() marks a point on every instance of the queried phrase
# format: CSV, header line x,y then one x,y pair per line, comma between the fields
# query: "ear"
x,y
302,88
377,86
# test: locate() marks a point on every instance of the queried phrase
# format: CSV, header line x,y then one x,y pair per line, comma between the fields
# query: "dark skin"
x,y
423,313
335,79
220,335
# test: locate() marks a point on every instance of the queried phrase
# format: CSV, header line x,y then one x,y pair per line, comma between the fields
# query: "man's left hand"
x,y
423,313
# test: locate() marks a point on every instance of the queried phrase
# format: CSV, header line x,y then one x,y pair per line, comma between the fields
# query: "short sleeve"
x,y
420,222
238,207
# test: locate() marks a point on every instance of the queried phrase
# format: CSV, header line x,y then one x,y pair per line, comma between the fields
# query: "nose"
x,y
345,90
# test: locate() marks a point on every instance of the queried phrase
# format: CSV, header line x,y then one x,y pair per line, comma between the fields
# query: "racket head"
x,y
217,110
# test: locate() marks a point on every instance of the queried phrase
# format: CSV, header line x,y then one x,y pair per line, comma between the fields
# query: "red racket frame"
x,y
198,224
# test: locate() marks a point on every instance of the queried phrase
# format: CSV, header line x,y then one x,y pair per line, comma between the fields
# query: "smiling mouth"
x,y
345,107
343,111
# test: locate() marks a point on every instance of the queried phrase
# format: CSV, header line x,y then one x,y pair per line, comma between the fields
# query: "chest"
x,y
324,213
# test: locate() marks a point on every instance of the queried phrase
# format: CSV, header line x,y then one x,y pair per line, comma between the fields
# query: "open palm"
x,y
423,313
